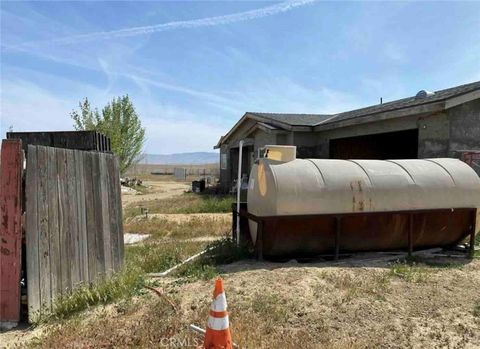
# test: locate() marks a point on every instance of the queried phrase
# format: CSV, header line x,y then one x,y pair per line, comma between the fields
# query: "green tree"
x,y
120,122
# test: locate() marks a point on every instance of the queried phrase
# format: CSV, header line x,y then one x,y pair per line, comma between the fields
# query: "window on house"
x,y
223,161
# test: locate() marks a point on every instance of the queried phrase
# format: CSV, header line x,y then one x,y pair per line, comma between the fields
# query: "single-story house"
x,y
443,123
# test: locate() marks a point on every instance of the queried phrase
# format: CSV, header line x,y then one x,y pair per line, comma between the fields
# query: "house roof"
x,y
278,122
316,122
294,119
405,102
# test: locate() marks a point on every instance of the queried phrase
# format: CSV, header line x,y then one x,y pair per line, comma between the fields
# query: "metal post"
x,y
259,243
239,185
338,223
410,236
471,251
234,222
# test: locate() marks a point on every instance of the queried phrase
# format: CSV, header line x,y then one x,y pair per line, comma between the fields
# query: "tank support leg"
x,y
471,251
410,235
338,223
259,244
234,222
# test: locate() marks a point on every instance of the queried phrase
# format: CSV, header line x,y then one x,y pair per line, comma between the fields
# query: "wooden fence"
x,y
74,232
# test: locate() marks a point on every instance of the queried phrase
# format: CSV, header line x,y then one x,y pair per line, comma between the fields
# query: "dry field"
x,y
155,191
144,171
371,301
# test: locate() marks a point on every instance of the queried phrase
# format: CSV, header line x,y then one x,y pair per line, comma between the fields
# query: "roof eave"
x,y
386,115
460,99
253,116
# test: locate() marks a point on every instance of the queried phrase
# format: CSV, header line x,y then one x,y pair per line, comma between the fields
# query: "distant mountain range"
x,y
181,158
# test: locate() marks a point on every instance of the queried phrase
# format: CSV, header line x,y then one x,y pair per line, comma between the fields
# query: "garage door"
x,y
391,145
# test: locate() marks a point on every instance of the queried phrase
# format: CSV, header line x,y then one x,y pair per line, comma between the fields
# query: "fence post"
x,y
10,232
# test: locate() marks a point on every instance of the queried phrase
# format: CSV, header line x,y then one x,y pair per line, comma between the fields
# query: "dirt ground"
x,y
354,303
156,191
366,301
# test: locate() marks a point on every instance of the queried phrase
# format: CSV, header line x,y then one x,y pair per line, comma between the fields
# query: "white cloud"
x,y
173,129
195,23
209,98
27,107
284,95
167,136
170,129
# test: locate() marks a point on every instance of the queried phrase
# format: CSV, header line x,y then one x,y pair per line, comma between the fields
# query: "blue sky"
x,y
193,68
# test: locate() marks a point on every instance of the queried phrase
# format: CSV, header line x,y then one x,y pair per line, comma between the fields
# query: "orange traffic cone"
x,y
218,332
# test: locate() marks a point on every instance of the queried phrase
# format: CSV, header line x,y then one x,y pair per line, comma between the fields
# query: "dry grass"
x,y
295,306
476,309
351,286
171,242
155,257
116,327
186,203
159,228
410,272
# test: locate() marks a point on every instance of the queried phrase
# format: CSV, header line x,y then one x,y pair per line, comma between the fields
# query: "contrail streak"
x,y
195,23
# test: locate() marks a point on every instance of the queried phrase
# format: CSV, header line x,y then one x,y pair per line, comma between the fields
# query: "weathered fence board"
x,y
31,240
114,209
81,140
107,246
63,221
90,217
53,222
43,225
74,221
10,232
97,205
73,248
117,199
81,215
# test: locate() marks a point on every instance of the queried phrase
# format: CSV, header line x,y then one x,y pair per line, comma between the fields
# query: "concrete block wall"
x,y
433,136
464,126
464,129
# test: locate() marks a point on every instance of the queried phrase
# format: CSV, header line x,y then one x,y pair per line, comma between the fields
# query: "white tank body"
x,y
318,186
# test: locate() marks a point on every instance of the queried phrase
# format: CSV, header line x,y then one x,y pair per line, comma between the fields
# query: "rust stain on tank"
x,y
361,205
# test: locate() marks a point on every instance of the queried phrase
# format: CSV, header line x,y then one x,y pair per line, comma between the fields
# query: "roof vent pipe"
x,y
424,94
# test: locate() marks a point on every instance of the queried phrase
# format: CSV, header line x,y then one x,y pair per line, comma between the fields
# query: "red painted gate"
x,y
10,231
473,159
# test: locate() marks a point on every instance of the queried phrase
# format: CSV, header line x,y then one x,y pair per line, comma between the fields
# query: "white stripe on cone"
x,y
219,303
218,323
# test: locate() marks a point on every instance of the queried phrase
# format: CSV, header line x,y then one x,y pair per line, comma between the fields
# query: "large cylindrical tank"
x,y
374,196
